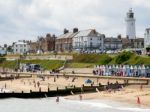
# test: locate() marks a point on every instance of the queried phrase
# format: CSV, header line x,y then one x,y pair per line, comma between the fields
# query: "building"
x,y
147,38
111,43
132,43
3,50
137,43
130,25
64,41
88,40
21,47
34,47
43,44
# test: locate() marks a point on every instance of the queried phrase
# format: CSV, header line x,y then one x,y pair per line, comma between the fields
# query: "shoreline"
x,y
127,96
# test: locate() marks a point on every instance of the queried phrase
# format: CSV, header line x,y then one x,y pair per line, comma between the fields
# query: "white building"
x,y
21,47
147,38
112,43
3,50
130,25
88,40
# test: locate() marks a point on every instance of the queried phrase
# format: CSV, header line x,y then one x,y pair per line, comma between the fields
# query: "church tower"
x,y
130,25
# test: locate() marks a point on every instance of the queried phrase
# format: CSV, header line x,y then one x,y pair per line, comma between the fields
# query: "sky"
x,y
28,19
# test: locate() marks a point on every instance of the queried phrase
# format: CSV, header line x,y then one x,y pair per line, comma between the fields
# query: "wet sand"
x,y
126,95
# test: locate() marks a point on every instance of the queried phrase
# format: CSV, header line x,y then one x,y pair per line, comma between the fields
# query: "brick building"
x,y
44,44
64,41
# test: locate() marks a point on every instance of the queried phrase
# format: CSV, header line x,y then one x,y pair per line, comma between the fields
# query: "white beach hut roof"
x,y
131,67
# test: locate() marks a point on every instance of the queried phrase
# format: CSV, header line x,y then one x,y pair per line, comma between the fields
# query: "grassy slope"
x,y
85,60
91,60
46,64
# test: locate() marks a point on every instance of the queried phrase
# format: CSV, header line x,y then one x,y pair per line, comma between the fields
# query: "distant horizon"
x,y
28,19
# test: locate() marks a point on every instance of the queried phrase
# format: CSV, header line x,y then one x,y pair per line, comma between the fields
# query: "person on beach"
x,y
80,97
34,85
141,87
38,84
5,85
57,99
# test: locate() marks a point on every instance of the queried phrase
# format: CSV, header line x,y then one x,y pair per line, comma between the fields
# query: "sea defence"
x,y
62,92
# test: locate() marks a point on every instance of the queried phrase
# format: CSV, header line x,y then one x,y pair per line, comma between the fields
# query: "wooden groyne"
x,y
61,92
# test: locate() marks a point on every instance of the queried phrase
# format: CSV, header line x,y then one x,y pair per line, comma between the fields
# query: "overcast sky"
x,y
27,19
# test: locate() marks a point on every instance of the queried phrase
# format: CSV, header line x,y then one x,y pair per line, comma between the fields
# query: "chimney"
x,y
119,36
48,35
66,31
75,30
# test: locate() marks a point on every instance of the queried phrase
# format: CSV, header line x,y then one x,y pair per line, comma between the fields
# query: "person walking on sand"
x,y
80,96
57,99
5,85
141,87
38,84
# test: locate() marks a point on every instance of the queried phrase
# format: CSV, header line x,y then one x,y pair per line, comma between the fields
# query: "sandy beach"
x,y
127,95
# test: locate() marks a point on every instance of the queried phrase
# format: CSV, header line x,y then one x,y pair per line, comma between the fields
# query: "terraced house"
x,y
64,41
87,40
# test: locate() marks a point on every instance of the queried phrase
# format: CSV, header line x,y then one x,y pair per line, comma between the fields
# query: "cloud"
x,y
27,19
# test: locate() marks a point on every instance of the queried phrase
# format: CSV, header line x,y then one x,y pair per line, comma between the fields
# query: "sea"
x,y
65,105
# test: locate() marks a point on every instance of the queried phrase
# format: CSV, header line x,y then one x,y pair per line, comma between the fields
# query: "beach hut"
x,y
121,70
124,70
106,70
143,71
103,70
135,71
128,70
147,71
117,69
113,69
109,70
139,70
131,71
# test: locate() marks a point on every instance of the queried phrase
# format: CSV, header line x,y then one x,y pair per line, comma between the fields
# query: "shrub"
x,y
2,59
92,58
123,57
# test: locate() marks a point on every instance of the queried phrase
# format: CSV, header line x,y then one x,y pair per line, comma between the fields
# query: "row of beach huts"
x,y
122,70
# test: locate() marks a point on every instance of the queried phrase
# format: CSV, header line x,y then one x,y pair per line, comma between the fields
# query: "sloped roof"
x,y
20,43
112,39
67,35
84,33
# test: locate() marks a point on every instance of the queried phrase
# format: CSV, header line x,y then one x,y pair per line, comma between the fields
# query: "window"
x,y
16,45
16,50
91,39
24,45
99,38
91,44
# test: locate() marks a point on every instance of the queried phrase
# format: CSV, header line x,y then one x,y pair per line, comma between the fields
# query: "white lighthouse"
x,y
130,25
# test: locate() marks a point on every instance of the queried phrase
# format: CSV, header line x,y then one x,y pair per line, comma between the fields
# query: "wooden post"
x,y
147,82
100,84
40,89
83,85
48,89
22,92
66,87
57,88
30,91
